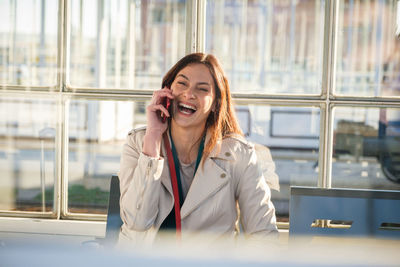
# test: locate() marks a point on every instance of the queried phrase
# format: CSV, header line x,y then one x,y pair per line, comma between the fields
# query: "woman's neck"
x,y
186,141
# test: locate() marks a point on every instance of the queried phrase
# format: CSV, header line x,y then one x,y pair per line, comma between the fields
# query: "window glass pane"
x,y
268,46
27,153
28,42
366,148
97,132
125,43
368,61
292,136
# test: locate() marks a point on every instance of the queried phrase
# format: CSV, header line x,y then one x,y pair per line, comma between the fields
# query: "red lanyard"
x,y
174,181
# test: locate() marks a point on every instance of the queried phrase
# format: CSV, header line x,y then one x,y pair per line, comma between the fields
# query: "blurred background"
x,y
320,89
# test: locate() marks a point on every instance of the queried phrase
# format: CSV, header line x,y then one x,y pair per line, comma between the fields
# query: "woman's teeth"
x,y
187,109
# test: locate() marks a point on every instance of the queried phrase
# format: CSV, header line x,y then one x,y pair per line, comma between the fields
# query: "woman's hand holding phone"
x,y
157,113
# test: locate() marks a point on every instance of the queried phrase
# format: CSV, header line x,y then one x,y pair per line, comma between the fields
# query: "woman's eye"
x,y
203,89
182,83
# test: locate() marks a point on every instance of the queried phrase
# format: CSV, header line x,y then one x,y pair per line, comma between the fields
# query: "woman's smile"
x,y
186,108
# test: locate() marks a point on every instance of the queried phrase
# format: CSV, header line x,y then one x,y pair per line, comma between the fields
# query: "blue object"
x,y
342,212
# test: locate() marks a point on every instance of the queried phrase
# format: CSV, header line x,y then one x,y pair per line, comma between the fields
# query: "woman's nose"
x,y
190,93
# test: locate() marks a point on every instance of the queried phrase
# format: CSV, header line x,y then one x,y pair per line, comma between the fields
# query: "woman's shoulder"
x,y
236,143
136,135
138,130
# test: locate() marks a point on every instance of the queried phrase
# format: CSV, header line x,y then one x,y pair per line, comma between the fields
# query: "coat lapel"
x,y
207,181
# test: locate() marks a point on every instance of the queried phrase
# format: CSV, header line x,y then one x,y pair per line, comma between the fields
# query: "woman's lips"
x,y
186,108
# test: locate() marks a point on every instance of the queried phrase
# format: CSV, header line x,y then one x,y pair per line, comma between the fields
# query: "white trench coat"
x,y
229,176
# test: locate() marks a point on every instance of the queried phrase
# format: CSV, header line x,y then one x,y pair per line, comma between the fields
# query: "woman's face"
x,y
194,92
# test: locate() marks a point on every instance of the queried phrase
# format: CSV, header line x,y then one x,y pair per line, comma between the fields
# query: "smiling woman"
x,y
210,167
194,101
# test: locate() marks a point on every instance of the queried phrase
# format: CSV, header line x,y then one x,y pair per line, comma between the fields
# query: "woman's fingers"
x,y
160,94
159,107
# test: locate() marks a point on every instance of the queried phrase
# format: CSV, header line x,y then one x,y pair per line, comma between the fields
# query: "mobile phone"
x,y
166,102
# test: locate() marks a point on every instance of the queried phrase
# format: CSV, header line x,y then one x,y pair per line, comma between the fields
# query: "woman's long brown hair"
x,y
222,122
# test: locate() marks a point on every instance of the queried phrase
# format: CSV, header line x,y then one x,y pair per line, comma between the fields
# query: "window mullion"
x,y
61,39
328,85
191,26
201,26
62,112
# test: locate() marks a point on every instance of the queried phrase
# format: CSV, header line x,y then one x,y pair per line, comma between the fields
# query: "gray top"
x,y
187,175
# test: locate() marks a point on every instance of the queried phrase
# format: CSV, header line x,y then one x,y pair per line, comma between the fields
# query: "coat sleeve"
x,y
257,212
139,184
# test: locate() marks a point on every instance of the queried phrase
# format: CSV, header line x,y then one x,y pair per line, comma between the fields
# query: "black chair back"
x,y
114,221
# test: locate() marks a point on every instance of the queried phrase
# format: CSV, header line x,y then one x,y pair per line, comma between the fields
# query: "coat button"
x,y
227,154
223,175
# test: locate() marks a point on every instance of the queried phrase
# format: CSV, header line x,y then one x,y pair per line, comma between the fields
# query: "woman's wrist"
x,y
152,144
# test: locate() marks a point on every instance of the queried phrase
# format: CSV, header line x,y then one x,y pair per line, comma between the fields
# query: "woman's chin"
x,y
189,122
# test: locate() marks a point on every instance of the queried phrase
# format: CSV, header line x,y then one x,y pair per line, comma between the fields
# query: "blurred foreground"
x,y
307,251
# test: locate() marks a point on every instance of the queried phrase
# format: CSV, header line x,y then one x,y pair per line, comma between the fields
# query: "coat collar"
x,y
208,179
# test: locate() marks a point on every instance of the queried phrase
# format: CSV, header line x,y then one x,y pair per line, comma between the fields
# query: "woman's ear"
x,y
214,104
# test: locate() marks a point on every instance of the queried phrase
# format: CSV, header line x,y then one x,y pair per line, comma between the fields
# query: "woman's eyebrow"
x,y
203,83
199,83
183,76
